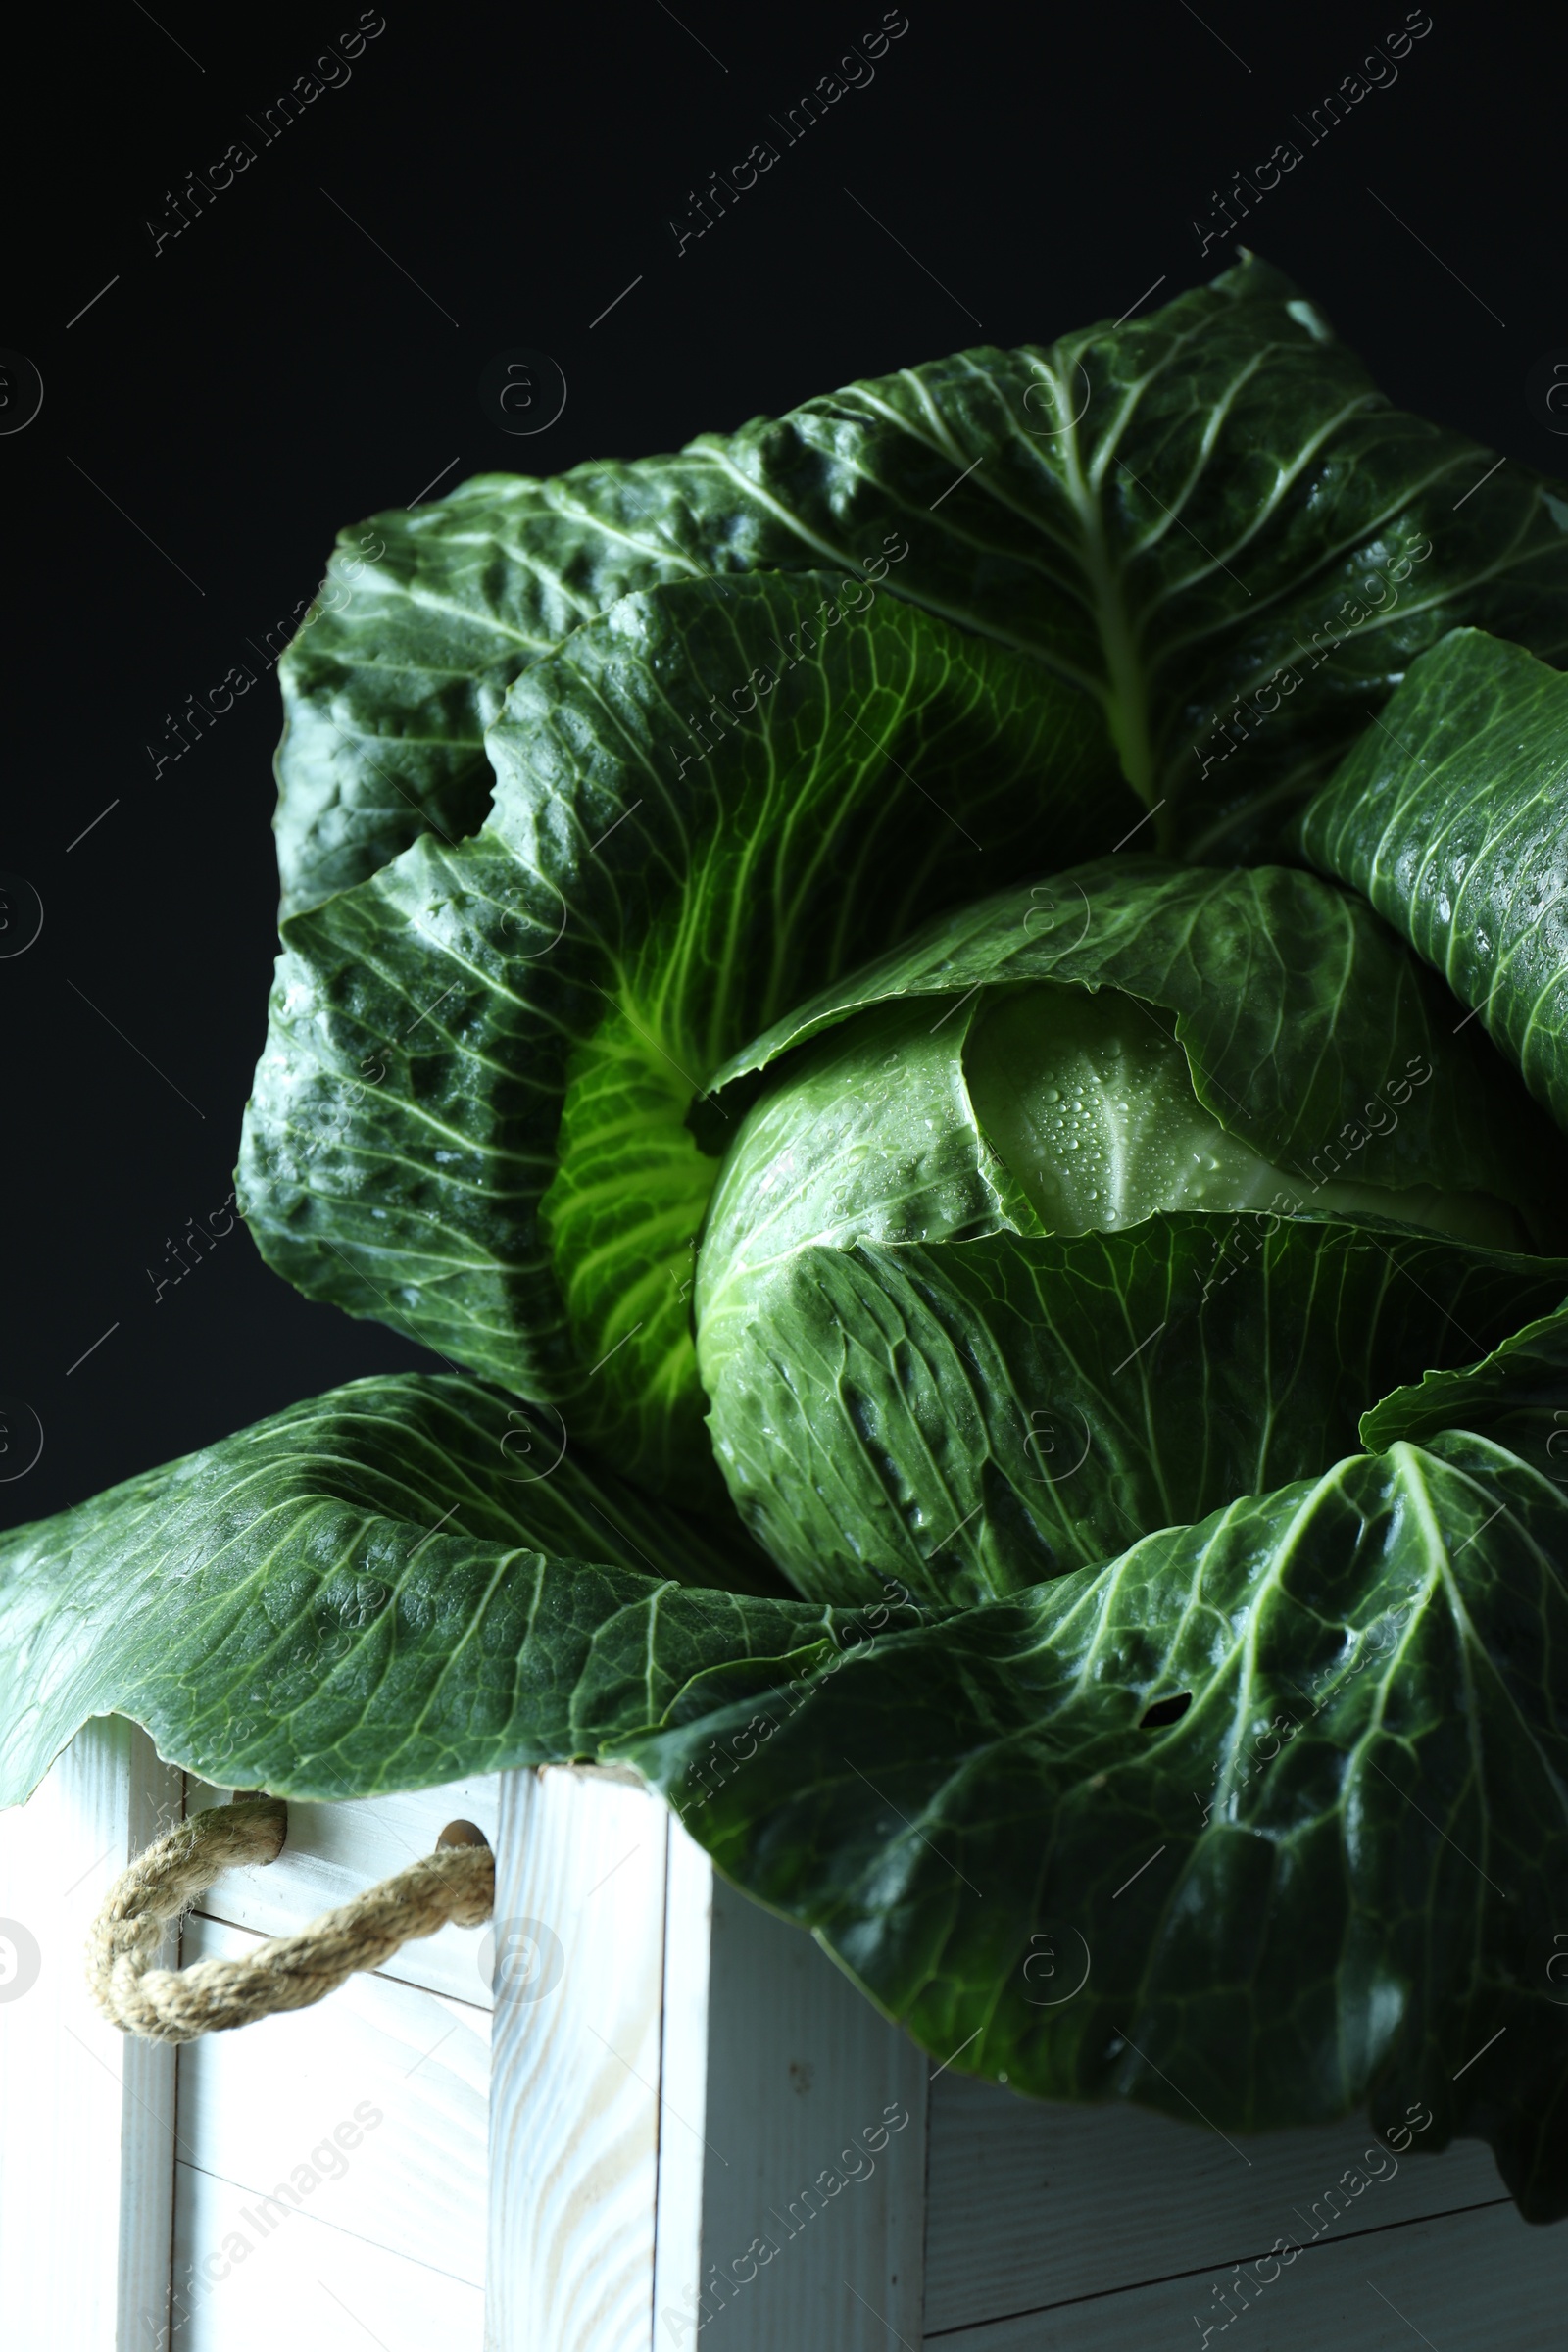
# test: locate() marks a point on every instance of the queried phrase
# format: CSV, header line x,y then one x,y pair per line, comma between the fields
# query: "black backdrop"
x,y
231,373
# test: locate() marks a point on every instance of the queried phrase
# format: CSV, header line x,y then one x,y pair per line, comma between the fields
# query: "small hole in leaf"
x,y
1166,1710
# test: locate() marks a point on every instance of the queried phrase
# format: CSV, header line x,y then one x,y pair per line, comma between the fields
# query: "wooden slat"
x,y
684,2156
334,1851
580,1861
1031,2204
810,2111
1480,2281
87,2151
403,2073
308,2287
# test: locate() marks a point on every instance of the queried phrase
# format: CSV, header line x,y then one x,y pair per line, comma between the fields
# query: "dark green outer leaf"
x,y
470,1119
1452,817
405,659
1208,518
969,1813
1515,1397
375,1590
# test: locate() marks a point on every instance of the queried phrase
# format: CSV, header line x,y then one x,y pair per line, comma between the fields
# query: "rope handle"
x,y
456,1883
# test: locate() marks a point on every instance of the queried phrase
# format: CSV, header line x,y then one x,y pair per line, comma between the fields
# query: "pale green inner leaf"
x,y
1090,1100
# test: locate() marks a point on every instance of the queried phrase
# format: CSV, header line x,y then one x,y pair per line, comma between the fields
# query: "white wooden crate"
x,y
670,2121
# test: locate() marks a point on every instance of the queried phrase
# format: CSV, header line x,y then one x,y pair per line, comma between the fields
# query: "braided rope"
x,y
457,1882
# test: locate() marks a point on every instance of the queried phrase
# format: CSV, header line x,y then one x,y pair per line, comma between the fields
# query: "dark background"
x,y
273,373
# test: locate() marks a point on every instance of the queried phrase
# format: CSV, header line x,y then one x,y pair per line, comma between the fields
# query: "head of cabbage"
x,y
1123,1203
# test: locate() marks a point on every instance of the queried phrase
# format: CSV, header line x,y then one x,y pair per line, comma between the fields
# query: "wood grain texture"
x,y
1479,2281
683,2155
1032,2204
368,2112
811,2114
333,1851
87,2151
580,1860
308,2287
